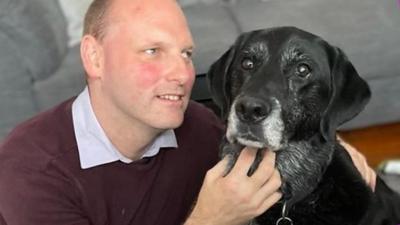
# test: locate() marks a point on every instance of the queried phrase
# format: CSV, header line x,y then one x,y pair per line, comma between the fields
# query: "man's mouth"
x,y
171,97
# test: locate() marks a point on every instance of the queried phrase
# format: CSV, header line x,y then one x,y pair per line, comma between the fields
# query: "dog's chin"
x,y
253,142
267,133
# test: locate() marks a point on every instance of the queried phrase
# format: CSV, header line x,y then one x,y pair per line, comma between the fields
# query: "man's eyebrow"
x,y
154,43
189,48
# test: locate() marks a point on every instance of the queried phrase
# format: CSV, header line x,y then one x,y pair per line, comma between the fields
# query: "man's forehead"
x,y
151,12
149,21
143,7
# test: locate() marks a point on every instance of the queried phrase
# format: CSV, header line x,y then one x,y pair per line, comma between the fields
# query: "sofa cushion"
x,y
68,81
185,3
74,12
15,88
37,31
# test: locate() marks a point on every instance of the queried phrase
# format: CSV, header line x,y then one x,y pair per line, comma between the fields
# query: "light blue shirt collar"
x,y
94,147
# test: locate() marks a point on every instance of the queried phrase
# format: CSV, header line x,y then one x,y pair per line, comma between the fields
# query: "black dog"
x,y
288,90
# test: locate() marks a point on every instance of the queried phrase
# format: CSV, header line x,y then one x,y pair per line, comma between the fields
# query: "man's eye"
x,y
151,51
187,54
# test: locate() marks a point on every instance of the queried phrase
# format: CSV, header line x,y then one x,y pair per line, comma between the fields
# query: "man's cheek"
x,y
191,79
148,75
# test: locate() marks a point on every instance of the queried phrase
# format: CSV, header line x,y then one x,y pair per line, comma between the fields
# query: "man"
x,y
132,148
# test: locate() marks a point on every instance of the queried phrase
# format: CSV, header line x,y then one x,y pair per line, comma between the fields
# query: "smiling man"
x,y
140,72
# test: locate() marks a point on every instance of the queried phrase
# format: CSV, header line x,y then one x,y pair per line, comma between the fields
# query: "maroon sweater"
x,y
41,182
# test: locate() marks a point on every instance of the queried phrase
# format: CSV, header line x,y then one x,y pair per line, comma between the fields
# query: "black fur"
x,y
262,80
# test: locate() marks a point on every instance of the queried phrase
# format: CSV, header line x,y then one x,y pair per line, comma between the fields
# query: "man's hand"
x,y
236,198
361,164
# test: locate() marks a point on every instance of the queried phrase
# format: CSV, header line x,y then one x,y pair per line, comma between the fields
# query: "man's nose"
x,y
181,70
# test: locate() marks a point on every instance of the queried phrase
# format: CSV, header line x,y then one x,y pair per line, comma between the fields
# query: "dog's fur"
x,y
287,90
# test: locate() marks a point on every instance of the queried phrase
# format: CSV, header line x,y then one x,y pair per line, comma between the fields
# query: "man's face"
x,y
148,73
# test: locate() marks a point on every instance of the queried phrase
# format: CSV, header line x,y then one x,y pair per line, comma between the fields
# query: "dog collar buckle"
x,y
284,220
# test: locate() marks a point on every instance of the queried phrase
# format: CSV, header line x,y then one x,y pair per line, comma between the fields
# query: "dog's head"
x,y
283,84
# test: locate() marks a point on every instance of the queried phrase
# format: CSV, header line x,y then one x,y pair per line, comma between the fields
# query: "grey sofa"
x,y
38,69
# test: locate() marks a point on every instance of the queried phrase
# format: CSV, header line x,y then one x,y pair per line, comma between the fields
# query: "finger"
x,y
373,180
271,186
349,148
269,202
367,173
359,160
359,166
266,168
362,166
367,170
368,177
355,155
346,145
219,169
244,161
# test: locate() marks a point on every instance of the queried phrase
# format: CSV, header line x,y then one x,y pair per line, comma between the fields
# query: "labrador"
x,y
286,90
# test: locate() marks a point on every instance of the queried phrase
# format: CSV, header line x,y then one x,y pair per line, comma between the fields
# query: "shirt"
x,y
94,146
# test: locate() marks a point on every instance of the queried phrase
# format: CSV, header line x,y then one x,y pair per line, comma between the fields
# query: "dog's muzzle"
x,y
256,123
252,110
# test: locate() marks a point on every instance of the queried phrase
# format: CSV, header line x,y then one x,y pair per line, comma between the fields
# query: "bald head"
x,y
103,12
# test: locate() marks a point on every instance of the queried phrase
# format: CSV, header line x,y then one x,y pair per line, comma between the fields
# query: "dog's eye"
x,y
303,70
247,64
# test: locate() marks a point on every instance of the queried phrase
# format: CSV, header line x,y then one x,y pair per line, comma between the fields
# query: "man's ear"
x,y
92,56
218,81
349,93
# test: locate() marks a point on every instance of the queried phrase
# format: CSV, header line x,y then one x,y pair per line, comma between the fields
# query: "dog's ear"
x,y
219,82
349,93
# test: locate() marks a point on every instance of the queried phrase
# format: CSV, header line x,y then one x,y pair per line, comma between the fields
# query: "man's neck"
x,y
131,143
129,136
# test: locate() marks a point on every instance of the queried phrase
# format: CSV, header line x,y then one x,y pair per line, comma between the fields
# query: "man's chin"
x,y
170,123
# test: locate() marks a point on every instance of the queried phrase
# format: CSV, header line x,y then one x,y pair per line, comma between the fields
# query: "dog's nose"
x,y
252,110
